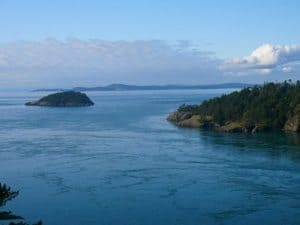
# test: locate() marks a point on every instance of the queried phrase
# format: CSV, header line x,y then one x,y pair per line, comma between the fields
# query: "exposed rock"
x,y
193,122
259,127
232,127
186,119
292,124
179,116
63,99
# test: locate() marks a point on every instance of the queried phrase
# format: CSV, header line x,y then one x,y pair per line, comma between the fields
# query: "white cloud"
x,y
99,60
266,59
98,54
53,63
287,69
264,71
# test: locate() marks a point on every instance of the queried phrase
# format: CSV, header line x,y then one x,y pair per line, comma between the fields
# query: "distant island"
x,y
124,87
63,99
272,106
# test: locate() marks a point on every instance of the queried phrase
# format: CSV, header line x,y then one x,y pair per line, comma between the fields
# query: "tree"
x,y
6,194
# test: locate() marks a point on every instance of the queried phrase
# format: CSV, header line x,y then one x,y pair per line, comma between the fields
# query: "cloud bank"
x,y
104,61
54,63
266,59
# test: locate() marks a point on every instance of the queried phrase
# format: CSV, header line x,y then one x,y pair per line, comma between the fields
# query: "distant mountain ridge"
x,y
125,87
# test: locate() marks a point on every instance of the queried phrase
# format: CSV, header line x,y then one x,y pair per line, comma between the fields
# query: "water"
x,y
121,162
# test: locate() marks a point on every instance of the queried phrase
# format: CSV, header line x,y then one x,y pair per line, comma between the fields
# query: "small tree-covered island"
x,y
63,99
272,106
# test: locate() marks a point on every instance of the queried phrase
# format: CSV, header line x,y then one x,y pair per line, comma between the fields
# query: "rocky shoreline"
x,y
268,107
188,120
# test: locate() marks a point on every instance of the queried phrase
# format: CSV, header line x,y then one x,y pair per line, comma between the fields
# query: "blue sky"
x,y
228,29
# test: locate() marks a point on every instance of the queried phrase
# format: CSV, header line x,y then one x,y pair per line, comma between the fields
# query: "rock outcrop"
x,y
233,127
292,124
193,122
179,116
186,119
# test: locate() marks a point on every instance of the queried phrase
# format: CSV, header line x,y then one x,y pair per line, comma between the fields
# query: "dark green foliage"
x,y
189,108
7,215
6,194
269,105
67,98
23,223
62,98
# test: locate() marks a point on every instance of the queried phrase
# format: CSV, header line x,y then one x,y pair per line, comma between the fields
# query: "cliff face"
x,y
63,99
178,116
183,119
186,119
293,124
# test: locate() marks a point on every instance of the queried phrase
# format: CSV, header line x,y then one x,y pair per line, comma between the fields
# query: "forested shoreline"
x,y
266,107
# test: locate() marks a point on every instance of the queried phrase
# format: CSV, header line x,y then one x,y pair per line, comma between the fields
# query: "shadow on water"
x,y
274,143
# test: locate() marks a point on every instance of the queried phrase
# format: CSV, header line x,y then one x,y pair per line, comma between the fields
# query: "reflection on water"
x,y
274,143
121,162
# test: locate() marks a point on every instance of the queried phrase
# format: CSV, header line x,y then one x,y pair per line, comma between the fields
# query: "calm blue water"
x,y
120,162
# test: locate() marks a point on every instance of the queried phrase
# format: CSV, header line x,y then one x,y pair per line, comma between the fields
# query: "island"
x,y
272,106
63,99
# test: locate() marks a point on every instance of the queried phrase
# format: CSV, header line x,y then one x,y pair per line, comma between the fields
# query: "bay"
x,y
121,162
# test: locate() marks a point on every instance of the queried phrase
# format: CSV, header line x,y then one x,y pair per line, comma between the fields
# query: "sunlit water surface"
x,y
121,163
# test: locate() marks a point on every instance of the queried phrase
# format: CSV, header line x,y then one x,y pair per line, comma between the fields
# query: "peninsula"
x,y
272,106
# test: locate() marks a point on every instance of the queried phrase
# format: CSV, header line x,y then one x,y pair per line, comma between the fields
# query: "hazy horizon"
x,y
96,43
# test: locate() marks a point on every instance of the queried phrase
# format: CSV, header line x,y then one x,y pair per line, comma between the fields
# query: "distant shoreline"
x,y
124,87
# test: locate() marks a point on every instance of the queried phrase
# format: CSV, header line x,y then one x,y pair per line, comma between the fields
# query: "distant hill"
x,y
267,107
125,87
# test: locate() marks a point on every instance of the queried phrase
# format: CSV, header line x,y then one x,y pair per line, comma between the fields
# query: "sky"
x,y
86,43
